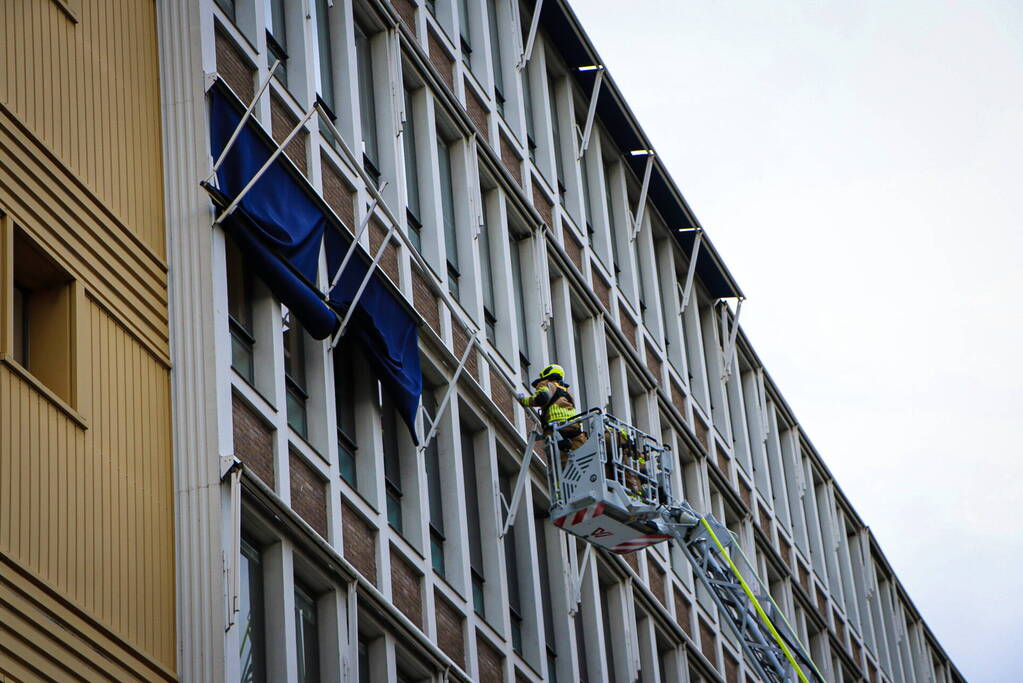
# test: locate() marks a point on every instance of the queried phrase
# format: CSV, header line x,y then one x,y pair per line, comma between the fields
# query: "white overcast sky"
x,y
859,165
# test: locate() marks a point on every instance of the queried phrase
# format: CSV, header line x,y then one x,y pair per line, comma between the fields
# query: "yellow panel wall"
x,y
86,484
89,91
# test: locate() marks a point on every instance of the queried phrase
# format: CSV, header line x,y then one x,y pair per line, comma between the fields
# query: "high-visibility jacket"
x,y
553,399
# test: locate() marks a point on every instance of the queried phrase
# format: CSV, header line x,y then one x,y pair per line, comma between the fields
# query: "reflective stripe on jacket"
x,y
554,400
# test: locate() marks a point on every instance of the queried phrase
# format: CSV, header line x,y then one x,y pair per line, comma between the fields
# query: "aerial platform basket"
x,y
612,488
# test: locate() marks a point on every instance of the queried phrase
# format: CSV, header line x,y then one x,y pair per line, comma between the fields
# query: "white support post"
x,y
637,218
259,174
520,486
397,96
362,287
584,141
765,422
241,122
577,586
358,235
231,468
730,346
691,272
475,191
543,278
435,421
352,626
533,24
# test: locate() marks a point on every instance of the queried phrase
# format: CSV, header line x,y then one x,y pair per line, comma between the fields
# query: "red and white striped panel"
x,y
580,516
639,543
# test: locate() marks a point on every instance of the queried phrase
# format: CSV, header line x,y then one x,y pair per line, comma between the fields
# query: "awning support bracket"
x,y
729,350
527,51
691,272
452,384
637,218
591,113
520,483
362,287
358,235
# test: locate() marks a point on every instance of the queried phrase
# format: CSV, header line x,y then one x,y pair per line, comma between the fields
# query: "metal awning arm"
x,y
241,122
691,272
533,24
592,111
362,287
358,235
577,586
259,174
637,218
730,346
520,485
452,384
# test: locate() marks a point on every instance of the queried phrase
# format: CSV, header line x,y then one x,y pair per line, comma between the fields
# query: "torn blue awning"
x,y
388,334
280,227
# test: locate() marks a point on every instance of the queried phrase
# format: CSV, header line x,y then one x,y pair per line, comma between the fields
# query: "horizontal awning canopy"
x,y
615,115
280,225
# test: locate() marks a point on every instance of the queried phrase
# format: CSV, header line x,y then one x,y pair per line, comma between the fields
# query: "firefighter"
x,y
556,406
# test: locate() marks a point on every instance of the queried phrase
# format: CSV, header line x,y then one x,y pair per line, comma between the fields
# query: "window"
x,y
580,364
540,529
239,307
487,274
447,191
559,164
43,317
252,641
294,374
520,302
306,636
392,460
527,101
344,405
495,54
472,511
277,39
435,490
367,102
323,42
465,32
364,672
611,219
511,566
414,208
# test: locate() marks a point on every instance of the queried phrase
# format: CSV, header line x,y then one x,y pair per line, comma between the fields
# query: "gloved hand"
x,y
521,397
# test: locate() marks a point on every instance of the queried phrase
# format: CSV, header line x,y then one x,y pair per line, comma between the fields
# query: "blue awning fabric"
x,y
280,228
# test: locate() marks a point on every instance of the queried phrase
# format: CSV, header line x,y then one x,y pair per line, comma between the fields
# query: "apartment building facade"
x,y
87,586
484,158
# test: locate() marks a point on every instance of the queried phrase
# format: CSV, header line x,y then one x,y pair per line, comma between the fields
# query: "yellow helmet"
x,y
553,371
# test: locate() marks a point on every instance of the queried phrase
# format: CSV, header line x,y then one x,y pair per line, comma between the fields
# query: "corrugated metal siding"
x,y
89,92
90,511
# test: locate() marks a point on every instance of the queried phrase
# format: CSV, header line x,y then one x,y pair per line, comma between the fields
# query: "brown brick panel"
x,y
521,677
632,559
490,660
235,68
308,493
502,395
253,441
602,289
785,549
653,363
765,520
339,195
405,588
722,462
440,58
856,652
839,625
282,122
804,578
746,493
657,581
707,642
574,249
407,11
425,301
873,672
538,449
542,204
682,612
461,338
477,110
702,431
360,542
678,398
731,668
822,602
627,325
450,635
511,160
389,261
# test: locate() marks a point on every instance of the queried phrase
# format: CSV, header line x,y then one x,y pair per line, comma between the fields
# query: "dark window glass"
x,y
21,339
228,7
345,395
367,101
239,307
520,299
364,672
294,376
252,642
392,461
323,45
559,163
435,489
465,32
277,39
411,161
306,636
511,566
472,511
495,52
